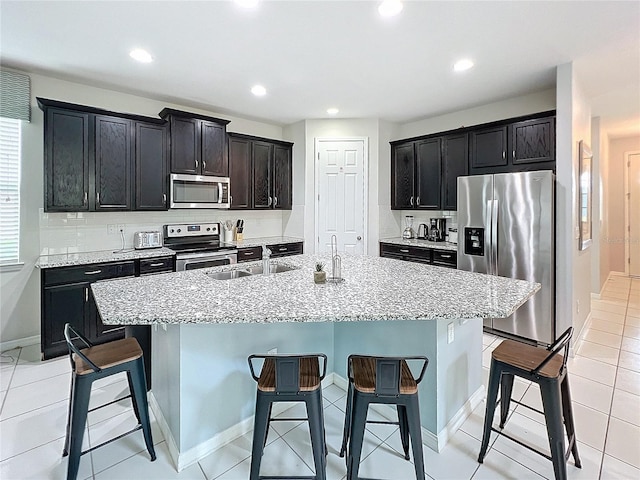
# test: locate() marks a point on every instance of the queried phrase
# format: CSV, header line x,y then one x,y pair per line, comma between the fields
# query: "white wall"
x,y
573,267
20,290
615,210
596,253
605,193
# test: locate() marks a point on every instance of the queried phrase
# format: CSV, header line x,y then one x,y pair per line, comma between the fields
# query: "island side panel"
x,y
216,388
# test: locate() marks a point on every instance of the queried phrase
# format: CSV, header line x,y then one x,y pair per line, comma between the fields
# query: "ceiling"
x,y
312,55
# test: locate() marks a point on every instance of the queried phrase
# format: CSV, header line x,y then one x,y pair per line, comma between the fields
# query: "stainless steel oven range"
x,y
197,245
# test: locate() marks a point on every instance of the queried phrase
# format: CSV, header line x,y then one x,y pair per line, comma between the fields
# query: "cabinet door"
x,y
98,332
151,167
262,154
455,163
489,147
282,177
66,161
428,170
185,145
62,304
240,172
113,163
402,176
214,152
533,141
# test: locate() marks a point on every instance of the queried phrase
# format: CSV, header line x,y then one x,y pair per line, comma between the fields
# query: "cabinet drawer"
x,y
88,273
248,254
445,258
156,265
284,249
408,253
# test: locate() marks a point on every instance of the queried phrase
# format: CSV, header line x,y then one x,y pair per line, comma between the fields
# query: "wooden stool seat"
x,y
108,355
364,376
309,378
527,358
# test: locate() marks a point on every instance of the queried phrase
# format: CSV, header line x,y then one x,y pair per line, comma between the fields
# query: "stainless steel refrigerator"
x,y
506,228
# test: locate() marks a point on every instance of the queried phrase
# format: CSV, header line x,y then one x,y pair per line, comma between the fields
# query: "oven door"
x,y
199,191
193,261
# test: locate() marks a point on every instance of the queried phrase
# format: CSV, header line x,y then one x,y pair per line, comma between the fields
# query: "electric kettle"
x,y
423,231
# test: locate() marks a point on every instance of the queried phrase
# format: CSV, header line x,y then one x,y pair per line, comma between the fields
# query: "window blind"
x,y
9,191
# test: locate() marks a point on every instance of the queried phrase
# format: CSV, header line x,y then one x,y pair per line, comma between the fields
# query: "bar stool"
x,y
93,363
547,368
386,380
289,378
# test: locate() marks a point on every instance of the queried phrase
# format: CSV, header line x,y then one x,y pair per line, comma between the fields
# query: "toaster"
x,y
143,240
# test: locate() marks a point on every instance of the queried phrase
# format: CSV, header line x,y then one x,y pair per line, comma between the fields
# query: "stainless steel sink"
x,y
274,268
229,275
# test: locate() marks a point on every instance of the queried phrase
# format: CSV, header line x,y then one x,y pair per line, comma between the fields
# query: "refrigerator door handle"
x,y
494,235
488,215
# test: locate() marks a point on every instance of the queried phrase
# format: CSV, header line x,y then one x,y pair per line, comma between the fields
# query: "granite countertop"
x,y
374,289
417,242
259,241
86,258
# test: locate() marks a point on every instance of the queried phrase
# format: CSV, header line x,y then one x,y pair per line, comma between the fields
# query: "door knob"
x,y
359,237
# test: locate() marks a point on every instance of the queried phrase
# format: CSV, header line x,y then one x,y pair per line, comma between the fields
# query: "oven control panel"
x,y
191,230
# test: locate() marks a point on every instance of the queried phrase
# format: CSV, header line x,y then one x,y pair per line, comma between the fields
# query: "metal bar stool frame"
x,y
556,400
287,388
388,386
80,394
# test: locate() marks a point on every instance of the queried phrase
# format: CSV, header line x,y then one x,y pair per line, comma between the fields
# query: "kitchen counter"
x,y
374,289
85,258
384,307
417,242
256,242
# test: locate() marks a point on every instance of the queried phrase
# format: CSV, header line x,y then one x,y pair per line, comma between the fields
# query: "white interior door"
x,y
340,194
633,199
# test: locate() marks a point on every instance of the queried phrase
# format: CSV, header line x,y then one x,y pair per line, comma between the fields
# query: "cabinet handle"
x,y
269,202
159,264
164,199
411,200
247,253
404,251
504,155
86,198
418,201
445,256
196,164
282,249
98,198
514,154
93,272
204,165
86,294
275,202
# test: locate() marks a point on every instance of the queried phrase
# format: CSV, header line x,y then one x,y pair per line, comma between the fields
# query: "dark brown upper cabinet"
x,y
260,172
455,155
533,141
198,143
96,160
150,166
489,147
113,148
403,173
428,173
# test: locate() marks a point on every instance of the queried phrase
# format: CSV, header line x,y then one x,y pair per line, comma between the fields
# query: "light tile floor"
x,y
605,383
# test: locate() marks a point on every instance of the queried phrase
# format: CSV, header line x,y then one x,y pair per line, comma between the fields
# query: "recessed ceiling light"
x,y
258,90
141,55
247,3
390,8
462,65
332,111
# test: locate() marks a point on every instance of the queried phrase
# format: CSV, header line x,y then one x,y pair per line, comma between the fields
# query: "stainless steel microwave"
x,y
199,191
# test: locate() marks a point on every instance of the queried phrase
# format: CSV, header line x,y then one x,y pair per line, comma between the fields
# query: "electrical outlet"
x,y
450,334
112,229
273,351
120,227
577,306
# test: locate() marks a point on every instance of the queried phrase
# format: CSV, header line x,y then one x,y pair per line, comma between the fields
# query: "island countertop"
x,y
374,289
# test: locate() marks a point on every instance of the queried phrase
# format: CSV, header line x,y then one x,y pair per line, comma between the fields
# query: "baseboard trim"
x,y
617,274
20,342
595,296
164,428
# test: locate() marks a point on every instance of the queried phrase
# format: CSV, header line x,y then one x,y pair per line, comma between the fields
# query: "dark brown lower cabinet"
x,y
430,256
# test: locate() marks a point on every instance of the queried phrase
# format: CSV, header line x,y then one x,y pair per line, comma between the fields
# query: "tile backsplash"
x,y
421,216
88,231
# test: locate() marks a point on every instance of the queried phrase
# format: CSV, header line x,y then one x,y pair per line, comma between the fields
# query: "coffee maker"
x,y
438,229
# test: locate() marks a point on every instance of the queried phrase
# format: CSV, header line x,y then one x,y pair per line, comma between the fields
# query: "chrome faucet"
x,y
266,254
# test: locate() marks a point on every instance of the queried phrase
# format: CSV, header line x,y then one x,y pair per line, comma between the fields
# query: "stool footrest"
x,y
139,427
107,404
288,419
535,450
527,406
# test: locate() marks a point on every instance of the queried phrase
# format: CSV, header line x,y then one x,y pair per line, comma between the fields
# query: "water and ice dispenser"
x,y
474,241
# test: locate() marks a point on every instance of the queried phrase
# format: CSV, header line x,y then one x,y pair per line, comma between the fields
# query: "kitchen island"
x,y
203,395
